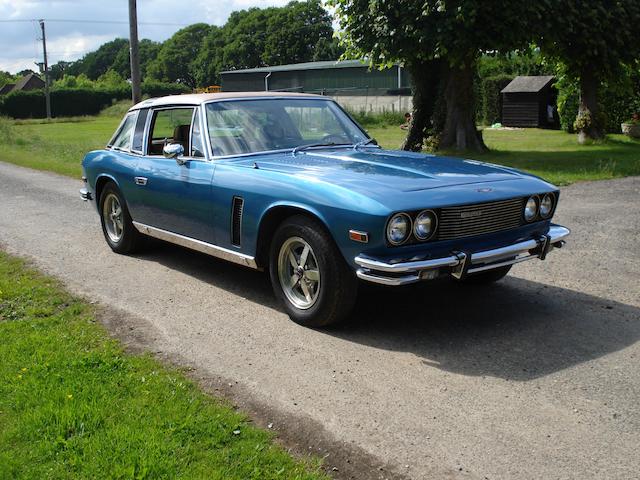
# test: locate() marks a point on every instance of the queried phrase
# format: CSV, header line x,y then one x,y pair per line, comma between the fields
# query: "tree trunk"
x,y
425,77
589,107
460,131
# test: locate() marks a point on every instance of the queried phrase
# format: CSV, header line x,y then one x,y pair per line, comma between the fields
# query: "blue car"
x,y
290,183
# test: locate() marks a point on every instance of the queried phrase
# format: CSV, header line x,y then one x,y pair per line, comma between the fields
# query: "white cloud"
x,y
71,40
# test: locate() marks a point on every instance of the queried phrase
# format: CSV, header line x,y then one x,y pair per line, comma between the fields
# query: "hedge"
x,y
68,102
490,100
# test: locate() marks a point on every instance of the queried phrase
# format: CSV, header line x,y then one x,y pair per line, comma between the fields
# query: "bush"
x,y
377,119
67,102
490,100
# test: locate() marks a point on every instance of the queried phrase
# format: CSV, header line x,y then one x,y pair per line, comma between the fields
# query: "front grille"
x,y
479,219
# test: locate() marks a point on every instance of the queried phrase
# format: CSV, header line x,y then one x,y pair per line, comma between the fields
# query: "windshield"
x,y
249,126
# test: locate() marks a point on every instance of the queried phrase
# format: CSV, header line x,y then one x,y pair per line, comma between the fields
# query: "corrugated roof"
x,y
303,66
528,84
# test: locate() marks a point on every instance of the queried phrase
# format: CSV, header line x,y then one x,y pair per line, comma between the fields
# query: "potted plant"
x,y
631,128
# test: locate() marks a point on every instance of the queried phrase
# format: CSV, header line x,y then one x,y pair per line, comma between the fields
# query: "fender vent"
x,y
236,220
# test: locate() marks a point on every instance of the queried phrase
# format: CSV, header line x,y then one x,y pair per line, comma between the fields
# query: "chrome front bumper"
x,y
85,194
459,264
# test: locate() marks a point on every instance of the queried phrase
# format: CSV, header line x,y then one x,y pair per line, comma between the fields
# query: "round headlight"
x,y
424,225
398,228
531,209
546,206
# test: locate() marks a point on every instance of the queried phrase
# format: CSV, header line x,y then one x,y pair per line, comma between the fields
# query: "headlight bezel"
x,y
536,199
434,228
551,196
409,230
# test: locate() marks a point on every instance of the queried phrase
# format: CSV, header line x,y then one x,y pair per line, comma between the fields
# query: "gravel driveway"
x,y
536,377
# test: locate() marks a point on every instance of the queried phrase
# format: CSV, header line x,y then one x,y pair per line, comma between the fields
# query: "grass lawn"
x,y
554,155
74,405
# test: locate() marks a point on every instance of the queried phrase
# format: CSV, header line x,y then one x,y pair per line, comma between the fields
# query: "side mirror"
x,y
174,150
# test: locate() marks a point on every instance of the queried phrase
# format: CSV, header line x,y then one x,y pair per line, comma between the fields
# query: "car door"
x,y
172,195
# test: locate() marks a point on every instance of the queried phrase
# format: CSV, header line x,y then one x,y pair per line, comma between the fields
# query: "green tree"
x,y
209,62
593,40
97,63
177,58
439,42
148,51
327,49
294,31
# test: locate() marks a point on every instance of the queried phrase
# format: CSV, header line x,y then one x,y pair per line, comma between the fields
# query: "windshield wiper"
x,y
312,145
365,143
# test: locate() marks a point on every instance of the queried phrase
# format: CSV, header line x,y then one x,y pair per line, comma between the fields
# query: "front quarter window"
x,y
122,138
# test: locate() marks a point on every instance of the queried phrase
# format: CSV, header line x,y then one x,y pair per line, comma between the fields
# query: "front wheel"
x,y
309,275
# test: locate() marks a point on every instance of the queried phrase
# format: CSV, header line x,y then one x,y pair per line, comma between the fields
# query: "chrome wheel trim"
x,y
299,273
113,217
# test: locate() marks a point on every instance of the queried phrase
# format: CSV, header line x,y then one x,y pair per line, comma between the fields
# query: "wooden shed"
x,y
530,101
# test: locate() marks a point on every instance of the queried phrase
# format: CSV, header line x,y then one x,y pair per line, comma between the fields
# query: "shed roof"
x,y
528,84
304,66
24,81
6,88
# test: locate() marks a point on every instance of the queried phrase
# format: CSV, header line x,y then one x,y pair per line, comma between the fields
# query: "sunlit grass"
x,y
73,404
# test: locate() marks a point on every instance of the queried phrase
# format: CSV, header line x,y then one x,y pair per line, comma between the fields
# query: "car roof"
x,y
200,98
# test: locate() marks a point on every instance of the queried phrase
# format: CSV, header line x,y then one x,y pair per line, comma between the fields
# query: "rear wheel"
x,y
117,227
309,275
489,276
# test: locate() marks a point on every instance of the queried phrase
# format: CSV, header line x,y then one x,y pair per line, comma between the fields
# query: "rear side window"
x,y
122,139
138,133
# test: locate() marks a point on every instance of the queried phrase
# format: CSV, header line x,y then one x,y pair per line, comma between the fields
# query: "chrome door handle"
x,y
140,180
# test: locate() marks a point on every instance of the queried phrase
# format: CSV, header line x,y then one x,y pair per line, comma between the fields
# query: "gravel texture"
x,y
533,378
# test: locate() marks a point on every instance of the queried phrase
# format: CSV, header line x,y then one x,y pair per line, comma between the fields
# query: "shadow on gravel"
x,y
515,329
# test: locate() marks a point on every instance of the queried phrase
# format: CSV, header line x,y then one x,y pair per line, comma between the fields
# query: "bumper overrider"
x,y
459,264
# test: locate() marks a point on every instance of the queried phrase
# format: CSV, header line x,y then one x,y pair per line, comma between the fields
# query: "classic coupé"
x,y
290,183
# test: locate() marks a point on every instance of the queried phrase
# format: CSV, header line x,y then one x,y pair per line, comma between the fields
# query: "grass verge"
x,y
73,404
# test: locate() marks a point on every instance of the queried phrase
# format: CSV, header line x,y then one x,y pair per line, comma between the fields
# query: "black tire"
x,y
490,276
337,284
130,240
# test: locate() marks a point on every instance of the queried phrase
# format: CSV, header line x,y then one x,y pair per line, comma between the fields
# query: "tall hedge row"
x,y
490,98
67,102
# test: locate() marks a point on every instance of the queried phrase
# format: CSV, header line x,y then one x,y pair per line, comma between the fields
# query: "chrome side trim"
x,y
198,245
461,263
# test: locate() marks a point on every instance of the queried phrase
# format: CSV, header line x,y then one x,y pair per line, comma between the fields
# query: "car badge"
x,y
471,214
484,190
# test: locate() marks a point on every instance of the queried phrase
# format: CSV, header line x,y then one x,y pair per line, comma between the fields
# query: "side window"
x,y
138,134
197,145
122,139
170,125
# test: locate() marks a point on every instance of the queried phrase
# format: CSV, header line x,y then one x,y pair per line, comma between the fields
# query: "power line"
x,y
81,20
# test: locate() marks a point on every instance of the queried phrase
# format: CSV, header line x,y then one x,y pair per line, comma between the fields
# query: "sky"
x,y
20,44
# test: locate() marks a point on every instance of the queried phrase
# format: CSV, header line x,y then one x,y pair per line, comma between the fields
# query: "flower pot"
x,y
631,129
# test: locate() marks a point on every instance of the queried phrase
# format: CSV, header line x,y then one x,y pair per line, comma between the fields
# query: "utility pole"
x,y
47,94
133,52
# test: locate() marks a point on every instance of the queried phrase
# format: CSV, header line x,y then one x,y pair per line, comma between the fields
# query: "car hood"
x,y
383,170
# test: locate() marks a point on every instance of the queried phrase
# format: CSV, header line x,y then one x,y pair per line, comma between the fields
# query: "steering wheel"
x,y
333,138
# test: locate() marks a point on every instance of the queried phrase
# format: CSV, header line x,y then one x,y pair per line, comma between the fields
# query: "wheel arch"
x,y
272,218
101,181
